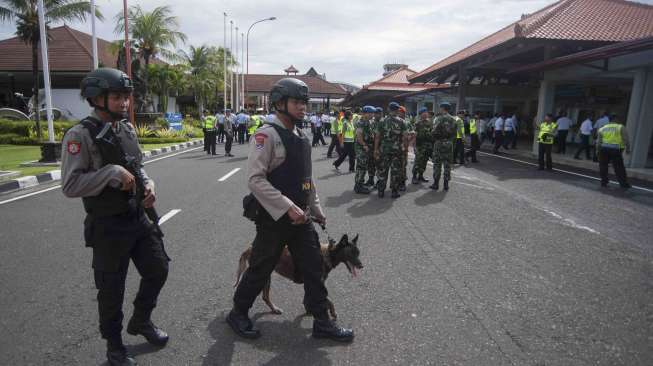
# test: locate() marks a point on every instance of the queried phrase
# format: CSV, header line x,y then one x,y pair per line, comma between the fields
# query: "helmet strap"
x,y
284,111
115,115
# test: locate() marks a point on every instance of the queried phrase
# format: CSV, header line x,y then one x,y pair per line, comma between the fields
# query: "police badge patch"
x,y
259,138
74,147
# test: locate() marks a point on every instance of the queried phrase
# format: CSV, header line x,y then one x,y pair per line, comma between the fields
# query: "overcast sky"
x,y
349,40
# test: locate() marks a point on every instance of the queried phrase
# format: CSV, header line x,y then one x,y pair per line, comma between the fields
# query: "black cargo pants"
x,y
304,246
116,240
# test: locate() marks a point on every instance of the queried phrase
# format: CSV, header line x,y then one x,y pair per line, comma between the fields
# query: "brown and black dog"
x,y
344,252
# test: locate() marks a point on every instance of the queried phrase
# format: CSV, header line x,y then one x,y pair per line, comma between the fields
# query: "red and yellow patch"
x,y
74,147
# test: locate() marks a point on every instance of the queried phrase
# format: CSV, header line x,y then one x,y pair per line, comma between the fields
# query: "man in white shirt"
x,y
509,132
316,121
515,128
498,133
602,121
564,123
585,135
490,127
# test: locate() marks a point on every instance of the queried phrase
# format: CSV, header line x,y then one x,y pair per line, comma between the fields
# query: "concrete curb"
x,y
29,181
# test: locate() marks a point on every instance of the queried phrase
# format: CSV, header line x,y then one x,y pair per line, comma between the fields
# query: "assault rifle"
x,y
118,156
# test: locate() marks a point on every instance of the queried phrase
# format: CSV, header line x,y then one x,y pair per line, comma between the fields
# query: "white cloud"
x,y
349,40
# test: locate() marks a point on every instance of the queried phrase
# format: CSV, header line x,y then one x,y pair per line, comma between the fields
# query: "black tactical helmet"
x,y
105,80
288,88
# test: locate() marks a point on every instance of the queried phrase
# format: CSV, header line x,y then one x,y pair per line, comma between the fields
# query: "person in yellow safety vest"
x,y
474,141
612,140
547,131
255,122
348,135
336,126
459,143
209,133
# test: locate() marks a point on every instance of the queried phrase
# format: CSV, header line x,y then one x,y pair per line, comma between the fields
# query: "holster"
x,y
251,207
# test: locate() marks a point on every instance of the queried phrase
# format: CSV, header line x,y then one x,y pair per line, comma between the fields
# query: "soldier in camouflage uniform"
x,y
373,163
423,145
389,146
363,146
408,121
444,134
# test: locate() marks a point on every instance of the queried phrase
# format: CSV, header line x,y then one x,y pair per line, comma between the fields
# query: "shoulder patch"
x,y
259,139
74,147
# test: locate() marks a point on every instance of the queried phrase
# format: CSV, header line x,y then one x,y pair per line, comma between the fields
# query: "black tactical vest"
x,y
294,176
111,201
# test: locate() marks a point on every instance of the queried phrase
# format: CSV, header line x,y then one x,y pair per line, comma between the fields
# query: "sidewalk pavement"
x,y
30,181
524,150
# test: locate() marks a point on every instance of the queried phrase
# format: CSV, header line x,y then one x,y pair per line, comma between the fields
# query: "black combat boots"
x,y
395,194
381,193
370,182
415,180
326,328
242,325
361,189
436,185
140,324
422,179
446,185
402,186
117,353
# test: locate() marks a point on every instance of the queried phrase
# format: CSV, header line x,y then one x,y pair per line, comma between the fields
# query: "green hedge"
x,y
15,139
22,128
156,140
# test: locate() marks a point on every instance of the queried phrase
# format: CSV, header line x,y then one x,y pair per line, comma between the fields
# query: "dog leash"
x,y
324,228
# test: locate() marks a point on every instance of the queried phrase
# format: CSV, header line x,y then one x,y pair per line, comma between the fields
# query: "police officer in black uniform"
x,y
280,178
101,163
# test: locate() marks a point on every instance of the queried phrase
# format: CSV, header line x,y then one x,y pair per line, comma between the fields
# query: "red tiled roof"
x,y
397,81
291,69
69,50
259,83
580,20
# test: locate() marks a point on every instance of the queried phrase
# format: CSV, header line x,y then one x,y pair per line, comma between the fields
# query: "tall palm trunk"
x,y
35,78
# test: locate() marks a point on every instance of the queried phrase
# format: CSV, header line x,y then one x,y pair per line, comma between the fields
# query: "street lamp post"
x,y
247,47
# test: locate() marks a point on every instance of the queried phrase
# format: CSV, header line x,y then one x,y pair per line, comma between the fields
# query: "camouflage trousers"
x,y
404,167
362,164
391,163
371,165
442,155
423,152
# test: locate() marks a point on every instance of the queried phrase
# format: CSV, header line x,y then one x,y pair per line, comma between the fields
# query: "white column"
x,y
237,93
640,118
544,106
46,71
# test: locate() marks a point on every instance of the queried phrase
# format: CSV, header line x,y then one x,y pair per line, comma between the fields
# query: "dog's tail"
x,y
242,265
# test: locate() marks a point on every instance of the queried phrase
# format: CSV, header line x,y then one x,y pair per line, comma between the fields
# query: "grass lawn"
x,y
11,156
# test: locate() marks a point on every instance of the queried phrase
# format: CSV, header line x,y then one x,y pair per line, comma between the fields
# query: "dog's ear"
x,y
355,240
344,240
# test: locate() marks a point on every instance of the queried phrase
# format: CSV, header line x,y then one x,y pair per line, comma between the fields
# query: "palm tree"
x,y
25,14
200,80
153,32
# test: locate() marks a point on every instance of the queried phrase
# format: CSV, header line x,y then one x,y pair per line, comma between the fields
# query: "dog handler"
x,y
280,178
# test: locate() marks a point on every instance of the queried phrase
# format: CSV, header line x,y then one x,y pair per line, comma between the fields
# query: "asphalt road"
x,y
510,267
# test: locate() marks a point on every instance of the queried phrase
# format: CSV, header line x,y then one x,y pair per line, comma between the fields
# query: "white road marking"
x,y
29,194
168,216
59,185
570,222
560,170
473,185
171,155
228,175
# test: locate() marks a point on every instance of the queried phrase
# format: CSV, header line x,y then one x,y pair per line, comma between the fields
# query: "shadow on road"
x,y
345,197
233,160
371,206
287,340
430,197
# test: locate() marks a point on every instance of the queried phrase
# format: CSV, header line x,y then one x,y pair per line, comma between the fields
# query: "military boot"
x,y
140,324
370,182
402,186
381,193
446,185
326,328
436,185
361,189
415,180
117,353
395,194
422,179
242,325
